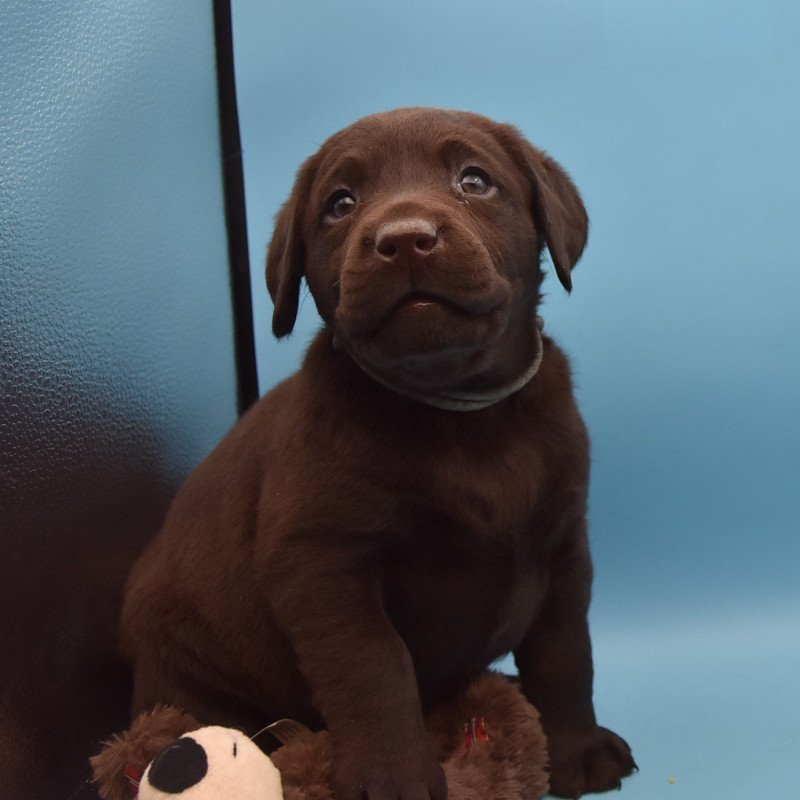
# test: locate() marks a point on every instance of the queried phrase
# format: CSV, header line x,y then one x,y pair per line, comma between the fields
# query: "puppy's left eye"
x,y
474,181
341,204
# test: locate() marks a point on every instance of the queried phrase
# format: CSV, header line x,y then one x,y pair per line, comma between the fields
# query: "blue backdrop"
x,y
680,123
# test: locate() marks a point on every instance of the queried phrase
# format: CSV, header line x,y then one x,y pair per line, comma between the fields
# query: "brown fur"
x,y
350,556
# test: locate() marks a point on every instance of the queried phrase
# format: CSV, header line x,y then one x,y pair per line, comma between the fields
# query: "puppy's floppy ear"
x,y
286,256
557,207
560,213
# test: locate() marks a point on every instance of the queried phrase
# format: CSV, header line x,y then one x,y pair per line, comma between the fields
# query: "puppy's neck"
x,y
464,400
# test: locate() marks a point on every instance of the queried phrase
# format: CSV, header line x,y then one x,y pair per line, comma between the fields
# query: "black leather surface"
x,y
117,372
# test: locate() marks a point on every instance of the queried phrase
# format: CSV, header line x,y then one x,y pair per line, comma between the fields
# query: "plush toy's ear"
x,y
557,208
286,255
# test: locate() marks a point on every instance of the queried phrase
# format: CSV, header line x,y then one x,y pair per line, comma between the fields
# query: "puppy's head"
x,y
420,234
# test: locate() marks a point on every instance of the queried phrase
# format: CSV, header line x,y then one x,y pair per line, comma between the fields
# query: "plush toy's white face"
x,y
211,764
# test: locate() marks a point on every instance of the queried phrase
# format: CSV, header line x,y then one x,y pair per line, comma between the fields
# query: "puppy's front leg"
x,y
556,674
359,672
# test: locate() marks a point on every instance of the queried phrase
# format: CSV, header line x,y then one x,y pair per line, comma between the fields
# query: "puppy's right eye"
x,y
474,181
341,204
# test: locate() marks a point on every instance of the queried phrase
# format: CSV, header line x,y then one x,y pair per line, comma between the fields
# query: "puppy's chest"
x,y
461,597
466,576
486,496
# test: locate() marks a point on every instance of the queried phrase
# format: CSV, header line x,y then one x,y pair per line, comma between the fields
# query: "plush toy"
x,y
489,740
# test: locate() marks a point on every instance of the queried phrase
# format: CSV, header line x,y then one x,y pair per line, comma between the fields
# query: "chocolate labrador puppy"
x,y
411,504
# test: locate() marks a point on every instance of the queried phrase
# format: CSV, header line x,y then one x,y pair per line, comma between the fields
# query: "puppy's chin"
x,y
426,344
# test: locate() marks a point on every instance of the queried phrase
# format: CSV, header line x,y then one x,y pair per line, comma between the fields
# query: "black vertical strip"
x,y
235,216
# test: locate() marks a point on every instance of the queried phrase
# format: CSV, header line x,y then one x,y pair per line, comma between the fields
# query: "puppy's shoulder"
x,y
556,368
553,399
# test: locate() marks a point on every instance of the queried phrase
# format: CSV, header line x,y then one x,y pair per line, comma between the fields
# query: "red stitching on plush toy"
x,y
475,731
134,776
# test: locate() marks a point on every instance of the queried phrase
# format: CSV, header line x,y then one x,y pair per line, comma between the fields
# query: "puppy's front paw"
x,y
588,762
388,776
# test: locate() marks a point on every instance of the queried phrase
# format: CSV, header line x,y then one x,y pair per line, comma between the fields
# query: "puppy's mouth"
x,y
423,330
429,302
427,308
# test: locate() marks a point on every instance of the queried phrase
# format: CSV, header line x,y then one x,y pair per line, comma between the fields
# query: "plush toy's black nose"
x,y
178,767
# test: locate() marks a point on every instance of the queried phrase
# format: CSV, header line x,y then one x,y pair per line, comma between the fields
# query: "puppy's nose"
x,y
405,237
